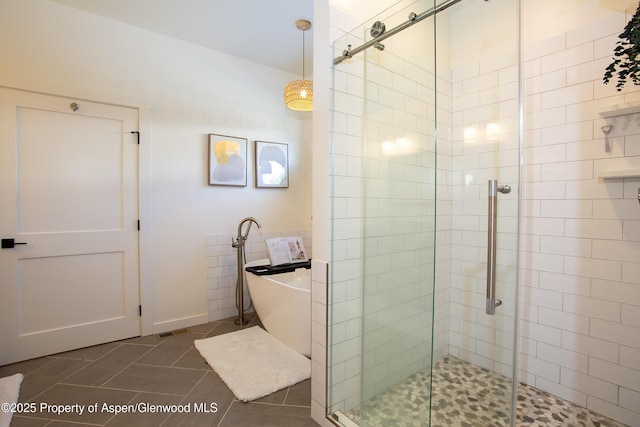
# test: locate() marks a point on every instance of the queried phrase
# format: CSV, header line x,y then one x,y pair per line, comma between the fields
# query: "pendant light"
x,y
298,95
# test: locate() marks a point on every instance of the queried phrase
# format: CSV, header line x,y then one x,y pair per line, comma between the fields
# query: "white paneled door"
x,y
69,274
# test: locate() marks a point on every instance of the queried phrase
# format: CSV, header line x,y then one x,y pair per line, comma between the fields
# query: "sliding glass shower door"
x,y
424,269
399,221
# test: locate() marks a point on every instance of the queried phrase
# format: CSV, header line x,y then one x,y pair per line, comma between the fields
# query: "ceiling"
x,y
262,31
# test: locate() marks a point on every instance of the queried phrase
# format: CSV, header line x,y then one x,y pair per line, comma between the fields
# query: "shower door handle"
x,y
492,215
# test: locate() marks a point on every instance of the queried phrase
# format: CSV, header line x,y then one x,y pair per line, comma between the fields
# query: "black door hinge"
x,y
140,310
138,225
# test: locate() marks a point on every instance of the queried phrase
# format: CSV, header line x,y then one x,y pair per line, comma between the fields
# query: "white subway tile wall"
x,y
582,329
222,267
345,292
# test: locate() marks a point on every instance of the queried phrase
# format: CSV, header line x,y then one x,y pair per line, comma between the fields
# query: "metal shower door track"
x,y
413,19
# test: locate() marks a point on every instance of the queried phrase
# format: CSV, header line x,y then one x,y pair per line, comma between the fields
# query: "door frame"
x,y
145,247
145,235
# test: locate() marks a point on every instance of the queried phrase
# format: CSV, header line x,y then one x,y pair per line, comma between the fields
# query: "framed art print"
x,y
227,160
272,165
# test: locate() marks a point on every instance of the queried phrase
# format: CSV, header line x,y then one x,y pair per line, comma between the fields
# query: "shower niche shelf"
x,y
619,173
621,109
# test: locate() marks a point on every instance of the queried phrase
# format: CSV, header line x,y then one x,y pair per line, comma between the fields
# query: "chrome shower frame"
x,y
379,33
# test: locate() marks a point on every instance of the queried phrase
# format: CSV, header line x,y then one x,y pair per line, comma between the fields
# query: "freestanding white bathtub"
x,y
283,304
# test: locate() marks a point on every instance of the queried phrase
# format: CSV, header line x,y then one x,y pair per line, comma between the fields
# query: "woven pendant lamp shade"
x,y
298,95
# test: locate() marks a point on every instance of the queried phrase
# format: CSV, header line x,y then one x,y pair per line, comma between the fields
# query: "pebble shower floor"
x,y
407,404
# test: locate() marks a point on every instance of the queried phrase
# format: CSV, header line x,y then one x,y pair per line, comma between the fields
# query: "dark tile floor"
x,y
150,371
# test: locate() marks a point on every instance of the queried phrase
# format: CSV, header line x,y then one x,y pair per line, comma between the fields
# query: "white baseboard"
x,y
184,322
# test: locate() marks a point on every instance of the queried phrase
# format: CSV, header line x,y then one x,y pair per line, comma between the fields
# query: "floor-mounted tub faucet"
x,y
238,243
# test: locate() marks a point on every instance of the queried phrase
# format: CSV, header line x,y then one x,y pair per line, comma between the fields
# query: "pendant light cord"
x,y
303,31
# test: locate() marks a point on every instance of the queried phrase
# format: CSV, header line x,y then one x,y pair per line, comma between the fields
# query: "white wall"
x,y
190,92
321,212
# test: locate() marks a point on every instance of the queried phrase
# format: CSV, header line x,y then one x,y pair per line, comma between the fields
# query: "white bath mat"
x,y
9,391
253,363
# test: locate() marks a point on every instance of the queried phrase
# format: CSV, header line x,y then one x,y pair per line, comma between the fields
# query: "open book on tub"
x,y
286,250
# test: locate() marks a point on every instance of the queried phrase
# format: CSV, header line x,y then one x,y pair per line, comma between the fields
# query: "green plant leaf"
x,y
626,52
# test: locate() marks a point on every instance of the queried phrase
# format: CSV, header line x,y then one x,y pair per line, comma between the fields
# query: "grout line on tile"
x,y
226,412
285,396
181,356
60,381
129,365
169,367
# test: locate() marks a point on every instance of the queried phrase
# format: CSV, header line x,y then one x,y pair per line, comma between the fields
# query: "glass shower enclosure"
x,y
425,217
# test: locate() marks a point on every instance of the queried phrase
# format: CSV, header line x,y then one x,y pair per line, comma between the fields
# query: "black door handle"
x,y
11,243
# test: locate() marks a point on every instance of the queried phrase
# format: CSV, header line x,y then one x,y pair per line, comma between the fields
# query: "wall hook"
x,y
606,129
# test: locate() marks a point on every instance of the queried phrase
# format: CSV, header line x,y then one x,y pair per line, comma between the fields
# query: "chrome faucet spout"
x,y
251,220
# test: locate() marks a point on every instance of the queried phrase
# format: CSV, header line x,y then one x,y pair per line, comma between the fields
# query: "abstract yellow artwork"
x,y
227,160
